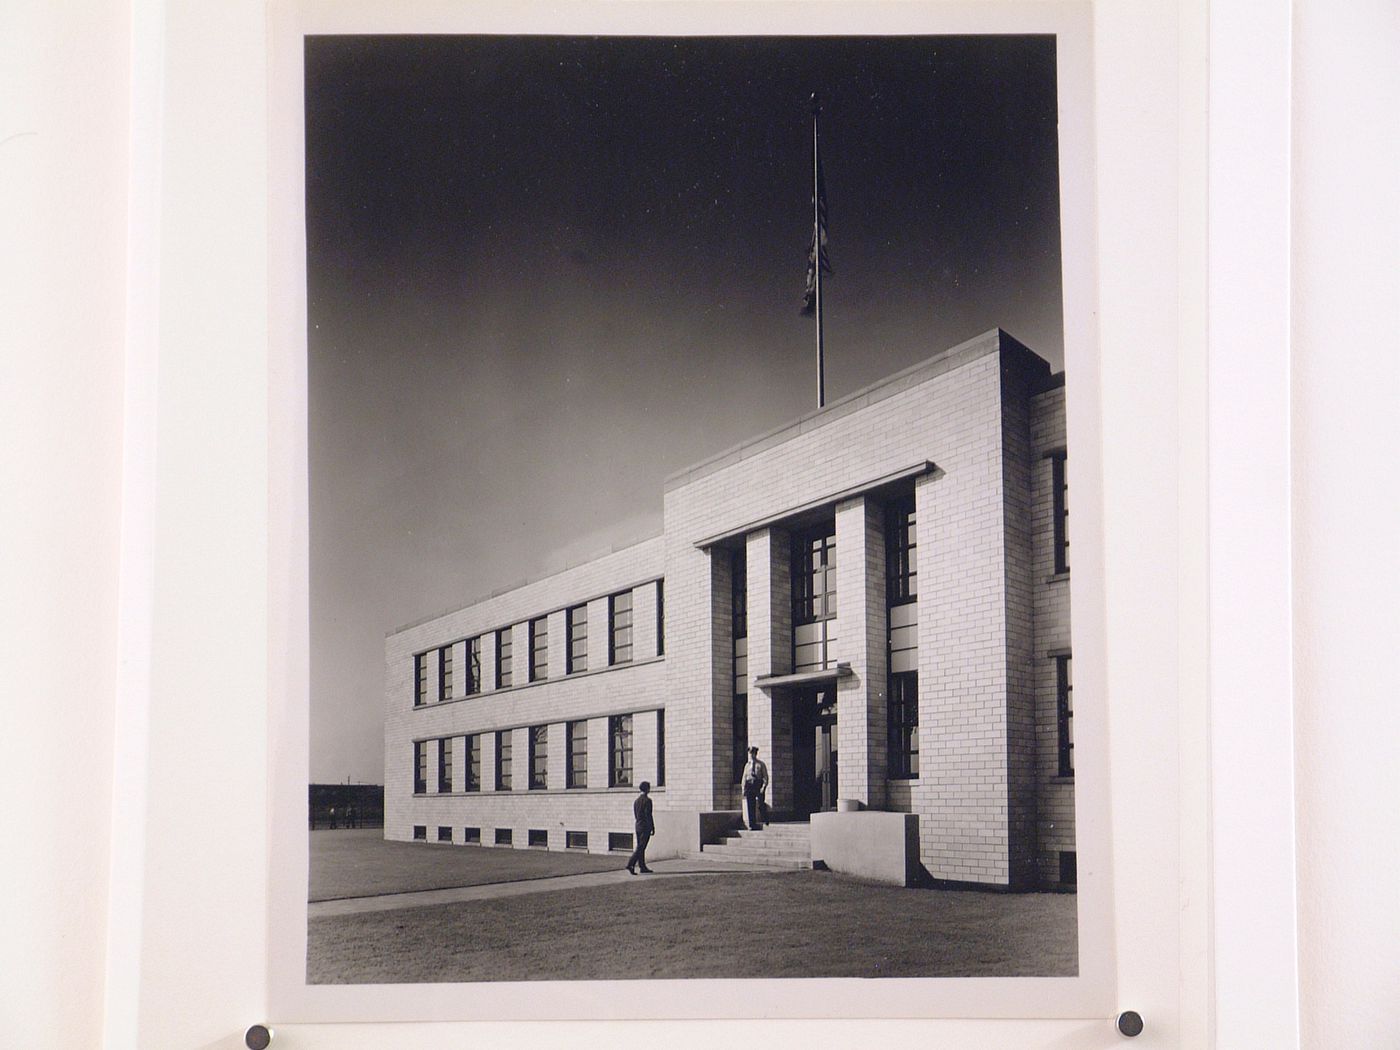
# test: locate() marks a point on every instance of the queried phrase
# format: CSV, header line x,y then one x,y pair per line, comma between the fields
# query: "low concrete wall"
x,y
872,845
681,831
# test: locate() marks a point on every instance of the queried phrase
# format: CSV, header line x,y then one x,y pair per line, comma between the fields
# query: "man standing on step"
x,y
645,826
755,787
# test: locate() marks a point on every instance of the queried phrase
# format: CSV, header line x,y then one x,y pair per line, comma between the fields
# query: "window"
x,y
539,649
420,679
504,644
538,837
575,840
739,594
577,657
901,552
503,748
620,624
904,726
904,637
445,765
1064,713
577,733
445,673
660,748
473,682
472,835
620,751
1059,512
473,764
504,836
420,766
814,600
660,617
444,834
539,757
420,832
620,841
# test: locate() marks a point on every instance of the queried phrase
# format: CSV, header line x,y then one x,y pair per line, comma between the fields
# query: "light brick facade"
x,y
972,436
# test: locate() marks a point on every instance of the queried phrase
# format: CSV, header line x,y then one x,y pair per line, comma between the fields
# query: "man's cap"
x,y
753,750
645,785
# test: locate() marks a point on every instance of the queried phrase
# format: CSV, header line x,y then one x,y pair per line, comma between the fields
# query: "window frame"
x,y
1064,715
444,777
538,747
1059,509
472,684
902,756
420,767
505,658
539,664
661,747
576,652
901,551
621,654
420,679
810,607
446,666
576,775
471,766
621,736
505,760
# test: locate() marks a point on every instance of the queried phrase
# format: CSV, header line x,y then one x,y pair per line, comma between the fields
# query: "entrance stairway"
x,y
781,846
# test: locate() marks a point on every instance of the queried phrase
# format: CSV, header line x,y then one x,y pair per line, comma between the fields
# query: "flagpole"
x,y
817,248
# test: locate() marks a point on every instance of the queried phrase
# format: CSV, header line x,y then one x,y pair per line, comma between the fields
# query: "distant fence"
x,y
347,806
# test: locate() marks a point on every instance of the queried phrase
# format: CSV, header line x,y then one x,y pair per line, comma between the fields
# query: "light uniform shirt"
x,y
756,773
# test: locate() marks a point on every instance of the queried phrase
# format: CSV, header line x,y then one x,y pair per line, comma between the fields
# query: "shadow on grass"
x,y
808,924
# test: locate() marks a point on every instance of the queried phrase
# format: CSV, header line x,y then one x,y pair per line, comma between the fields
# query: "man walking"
x,y
645,826
755,787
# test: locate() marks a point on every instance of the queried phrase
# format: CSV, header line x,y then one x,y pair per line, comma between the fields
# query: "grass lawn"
x,y
360,863
808,924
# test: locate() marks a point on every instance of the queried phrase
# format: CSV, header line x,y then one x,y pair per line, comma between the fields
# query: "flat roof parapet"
x,y
994,341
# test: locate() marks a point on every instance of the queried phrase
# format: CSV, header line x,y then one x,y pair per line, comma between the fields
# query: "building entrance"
x,y
814,751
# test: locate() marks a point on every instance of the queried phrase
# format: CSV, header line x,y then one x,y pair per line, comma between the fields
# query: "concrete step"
x,y
779,864
802,833
751,849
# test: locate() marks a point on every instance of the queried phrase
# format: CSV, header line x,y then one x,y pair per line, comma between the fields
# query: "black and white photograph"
x,y
689,512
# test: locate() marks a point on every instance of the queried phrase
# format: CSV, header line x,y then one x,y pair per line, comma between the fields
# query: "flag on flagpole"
x,y
816,251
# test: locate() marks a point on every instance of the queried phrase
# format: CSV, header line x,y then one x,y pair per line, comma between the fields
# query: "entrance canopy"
x,y
826,676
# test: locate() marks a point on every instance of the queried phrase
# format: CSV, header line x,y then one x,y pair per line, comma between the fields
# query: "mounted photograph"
x,y
689,515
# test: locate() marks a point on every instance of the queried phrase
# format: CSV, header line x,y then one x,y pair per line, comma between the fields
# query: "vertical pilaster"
x,y
860,629
644,748
558,643
488,663
769,563
459,763
557,761
644,622
598,629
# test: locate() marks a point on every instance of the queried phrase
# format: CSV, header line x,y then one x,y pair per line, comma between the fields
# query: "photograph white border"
x,y
1091,993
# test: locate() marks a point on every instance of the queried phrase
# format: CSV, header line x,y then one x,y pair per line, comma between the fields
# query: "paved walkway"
x,y
423,898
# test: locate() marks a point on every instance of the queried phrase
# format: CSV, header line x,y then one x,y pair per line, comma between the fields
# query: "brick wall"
x,y
1055,802
594,694
991,808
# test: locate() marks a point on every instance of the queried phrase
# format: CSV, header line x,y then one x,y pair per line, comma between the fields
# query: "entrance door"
x,y
814,752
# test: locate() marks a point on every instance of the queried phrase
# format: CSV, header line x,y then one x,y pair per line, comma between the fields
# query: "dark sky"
x,y
546,272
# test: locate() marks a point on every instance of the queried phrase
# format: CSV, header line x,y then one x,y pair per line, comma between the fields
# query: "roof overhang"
x,y
804,678
873,486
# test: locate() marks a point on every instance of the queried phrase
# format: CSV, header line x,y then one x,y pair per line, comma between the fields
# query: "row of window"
x,y
536,837
576,650
575,747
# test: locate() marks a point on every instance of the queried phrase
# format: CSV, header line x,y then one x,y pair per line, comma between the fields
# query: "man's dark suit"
x,y
641,813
